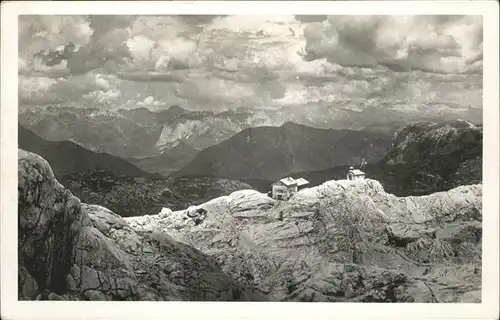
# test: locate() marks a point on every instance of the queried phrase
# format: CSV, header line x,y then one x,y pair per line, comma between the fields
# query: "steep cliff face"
x,y
435,156
72,251
341,241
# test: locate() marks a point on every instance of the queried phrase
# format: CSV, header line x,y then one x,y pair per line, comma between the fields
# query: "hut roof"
x,y
357,172
301,182
289,181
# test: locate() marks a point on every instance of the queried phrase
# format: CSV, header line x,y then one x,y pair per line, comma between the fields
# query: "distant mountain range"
x,y
267,153
67,157
177,133
124,133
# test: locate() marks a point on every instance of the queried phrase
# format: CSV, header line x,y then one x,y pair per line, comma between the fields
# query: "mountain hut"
x,y
283,189
355,174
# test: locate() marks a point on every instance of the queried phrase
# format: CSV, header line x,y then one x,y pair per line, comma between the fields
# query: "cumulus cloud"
x,y
150,101
158,44
433,43
220,62
76,44
103,96
33,90
45,90
40,33
162,43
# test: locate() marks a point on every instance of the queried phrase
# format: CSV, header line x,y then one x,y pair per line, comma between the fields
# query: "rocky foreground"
x,y
341,241
73,251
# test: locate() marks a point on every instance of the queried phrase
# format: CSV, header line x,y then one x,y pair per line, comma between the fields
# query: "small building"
x,y
355,174
283,189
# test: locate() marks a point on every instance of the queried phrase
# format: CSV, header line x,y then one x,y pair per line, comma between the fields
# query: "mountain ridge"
x,y
141,132
268,152
68,157
435,156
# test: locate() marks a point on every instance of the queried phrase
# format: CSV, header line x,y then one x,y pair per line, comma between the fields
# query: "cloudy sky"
x,y
222,62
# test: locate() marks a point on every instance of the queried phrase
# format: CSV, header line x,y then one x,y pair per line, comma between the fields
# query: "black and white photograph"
x,y
307,158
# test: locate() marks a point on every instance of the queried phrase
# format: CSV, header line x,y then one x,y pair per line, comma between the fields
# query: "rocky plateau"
x,y
341,241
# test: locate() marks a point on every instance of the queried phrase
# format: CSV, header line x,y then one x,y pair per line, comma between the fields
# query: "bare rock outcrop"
x,y
73,251
428,157
341,241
